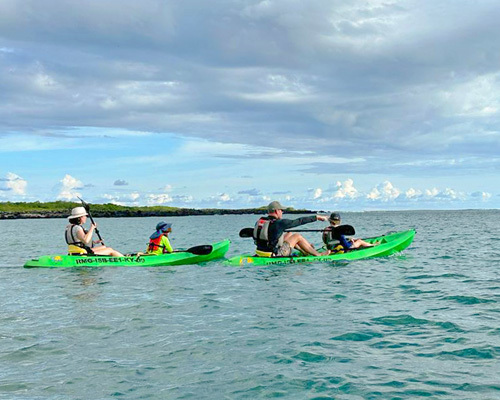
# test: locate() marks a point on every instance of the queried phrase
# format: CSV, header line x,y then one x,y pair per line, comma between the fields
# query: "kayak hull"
x,y
389,244
176,258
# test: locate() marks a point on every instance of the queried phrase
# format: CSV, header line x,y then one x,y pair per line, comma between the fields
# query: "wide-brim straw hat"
x,y
77,212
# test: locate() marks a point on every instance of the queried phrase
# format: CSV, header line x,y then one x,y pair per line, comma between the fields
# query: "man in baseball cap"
x,y
271,237
274,206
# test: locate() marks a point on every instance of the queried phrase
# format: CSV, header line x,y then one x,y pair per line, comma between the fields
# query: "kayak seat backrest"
x,y
75,250
263,253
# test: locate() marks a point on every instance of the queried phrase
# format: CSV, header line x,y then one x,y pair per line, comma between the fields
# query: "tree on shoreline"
x,y
60,209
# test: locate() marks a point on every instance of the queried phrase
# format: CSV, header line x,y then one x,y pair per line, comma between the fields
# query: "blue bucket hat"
x,y
161,227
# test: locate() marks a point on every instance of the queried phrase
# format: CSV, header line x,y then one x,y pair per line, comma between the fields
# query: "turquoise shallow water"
x,y
423,324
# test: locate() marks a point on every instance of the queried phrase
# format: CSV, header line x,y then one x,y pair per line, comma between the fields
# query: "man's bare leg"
x,y
297,241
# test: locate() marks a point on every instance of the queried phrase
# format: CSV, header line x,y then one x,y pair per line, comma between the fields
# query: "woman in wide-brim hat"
x,y
79,240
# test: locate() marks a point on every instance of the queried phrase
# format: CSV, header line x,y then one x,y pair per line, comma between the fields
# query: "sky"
x,y
320,104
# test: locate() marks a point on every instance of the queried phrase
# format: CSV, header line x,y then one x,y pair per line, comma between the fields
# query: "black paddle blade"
x,y
201,250
345,230
84,204
246,233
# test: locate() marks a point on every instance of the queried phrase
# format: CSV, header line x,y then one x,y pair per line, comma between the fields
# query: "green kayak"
x,y
194,255
389,244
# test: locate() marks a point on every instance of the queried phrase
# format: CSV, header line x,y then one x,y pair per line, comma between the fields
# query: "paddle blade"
x,y
246,233
84,204
201,250
345,230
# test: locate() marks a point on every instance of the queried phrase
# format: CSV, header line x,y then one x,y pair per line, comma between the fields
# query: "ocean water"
x,y
421,324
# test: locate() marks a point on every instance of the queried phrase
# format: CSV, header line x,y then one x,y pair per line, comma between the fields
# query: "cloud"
x,y
445,194
345,190
120,182
182,199
134,196
397,91
413,193
250,192
363,69
484,196
69,187
384,192
158,199
129,199
16,184
224,197
317,193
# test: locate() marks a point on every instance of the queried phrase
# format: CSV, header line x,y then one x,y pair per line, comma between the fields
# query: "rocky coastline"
x,y
130,212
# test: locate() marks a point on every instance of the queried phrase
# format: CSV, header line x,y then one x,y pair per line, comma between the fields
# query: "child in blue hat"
x,y
158,241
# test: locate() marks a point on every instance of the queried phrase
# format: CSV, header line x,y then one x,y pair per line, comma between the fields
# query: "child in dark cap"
x,y
332,241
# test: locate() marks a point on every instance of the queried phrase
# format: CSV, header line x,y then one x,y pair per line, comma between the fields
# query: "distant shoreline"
x,y
62,210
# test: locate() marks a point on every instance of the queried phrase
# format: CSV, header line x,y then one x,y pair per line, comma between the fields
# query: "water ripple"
x,y
421,325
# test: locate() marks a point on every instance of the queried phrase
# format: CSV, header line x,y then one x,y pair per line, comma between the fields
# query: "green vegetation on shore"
x,y
61,209
65,206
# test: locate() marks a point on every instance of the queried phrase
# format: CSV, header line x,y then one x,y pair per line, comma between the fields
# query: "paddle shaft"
x,y
342,230
87,207
305,230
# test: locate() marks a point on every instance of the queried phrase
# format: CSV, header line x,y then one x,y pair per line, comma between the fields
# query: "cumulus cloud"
x,y
113,199
483,196
134,196
120,182
413,193
14,183
69,187
158,199
129,199
445,194
432,192
384,192
345,190
451,194
317,193
182,199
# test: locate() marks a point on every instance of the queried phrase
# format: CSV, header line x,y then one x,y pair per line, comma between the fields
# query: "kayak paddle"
x,y
87,208
246,233
201,250
339,230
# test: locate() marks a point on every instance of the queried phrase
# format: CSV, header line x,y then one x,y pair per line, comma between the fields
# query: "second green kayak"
x,y
217,250
388,244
